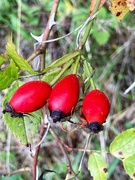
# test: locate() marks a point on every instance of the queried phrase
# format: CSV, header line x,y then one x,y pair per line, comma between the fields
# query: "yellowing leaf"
x,y
124,144
97,167
131,4
129,166
119,8
69,8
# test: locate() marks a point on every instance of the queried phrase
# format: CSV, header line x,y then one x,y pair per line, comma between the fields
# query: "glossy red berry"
x,y
64,97
95,108
29,97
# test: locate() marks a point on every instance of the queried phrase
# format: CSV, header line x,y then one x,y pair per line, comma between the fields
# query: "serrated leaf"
x,y
32,122
16,127
59,62
9,75
20,62
124,144
23,128
97,167
129,166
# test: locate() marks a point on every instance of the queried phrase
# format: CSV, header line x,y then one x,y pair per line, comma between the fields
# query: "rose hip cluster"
x,y
62,100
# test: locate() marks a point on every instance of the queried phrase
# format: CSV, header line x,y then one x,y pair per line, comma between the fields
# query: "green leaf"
x,y
48,77
57,72
23,128
129,165
68,71
87,75
9,75
97,167
59,62
20,62
101,37
2,59
16,127
32,122
103,14
124,144
14,124
13,177
114,22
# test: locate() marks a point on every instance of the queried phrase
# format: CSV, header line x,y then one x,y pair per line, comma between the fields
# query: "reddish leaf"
x,y
93,4
131,4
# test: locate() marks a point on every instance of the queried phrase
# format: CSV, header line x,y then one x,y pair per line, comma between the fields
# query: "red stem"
x,y
33,169
48,28
47,32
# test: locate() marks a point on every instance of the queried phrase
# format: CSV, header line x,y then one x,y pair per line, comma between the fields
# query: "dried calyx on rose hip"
x,y
64,97
95,109
28,98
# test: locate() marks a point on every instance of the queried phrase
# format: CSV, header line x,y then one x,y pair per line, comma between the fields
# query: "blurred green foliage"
x,y
106,50
14,177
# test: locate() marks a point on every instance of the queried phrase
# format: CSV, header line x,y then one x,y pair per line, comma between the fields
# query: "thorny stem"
x,y
49,25
41,50
34,166
47,31
46,34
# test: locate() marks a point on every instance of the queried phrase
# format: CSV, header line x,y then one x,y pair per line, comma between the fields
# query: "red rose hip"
x,y
95,108
64,97
29,97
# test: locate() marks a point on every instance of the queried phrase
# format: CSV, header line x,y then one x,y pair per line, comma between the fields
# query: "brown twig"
x,y
40,51
19,171
34,166
49,25
47,32
42,46
70,149
35,54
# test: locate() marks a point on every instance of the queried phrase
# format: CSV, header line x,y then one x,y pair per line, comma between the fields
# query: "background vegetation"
x,y
110,49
